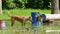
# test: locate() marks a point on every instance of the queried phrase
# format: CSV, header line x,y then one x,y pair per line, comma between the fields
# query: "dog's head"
x,y
30,18
39,18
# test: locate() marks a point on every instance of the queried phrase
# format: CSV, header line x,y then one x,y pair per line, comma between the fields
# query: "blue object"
x,y
34,20
39,24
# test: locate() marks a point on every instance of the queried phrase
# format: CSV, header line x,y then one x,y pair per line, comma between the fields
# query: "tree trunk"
x,y
0,6
55,6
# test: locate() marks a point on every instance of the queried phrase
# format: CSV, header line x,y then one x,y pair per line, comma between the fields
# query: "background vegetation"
x,y
40,4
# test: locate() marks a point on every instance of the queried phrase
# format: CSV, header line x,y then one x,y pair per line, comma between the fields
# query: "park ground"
x,y
17,25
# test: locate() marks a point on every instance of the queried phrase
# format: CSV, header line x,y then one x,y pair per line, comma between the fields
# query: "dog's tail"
x,y
8,13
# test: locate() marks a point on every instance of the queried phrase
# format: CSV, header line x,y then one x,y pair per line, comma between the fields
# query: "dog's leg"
x,y
23,24
12,21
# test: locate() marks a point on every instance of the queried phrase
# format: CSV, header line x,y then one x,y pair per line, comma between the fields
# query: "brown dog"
x,y
21,19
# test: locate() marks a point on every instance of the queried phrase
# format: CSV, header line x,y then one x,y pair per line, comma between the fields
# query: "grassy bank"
x,y
22,12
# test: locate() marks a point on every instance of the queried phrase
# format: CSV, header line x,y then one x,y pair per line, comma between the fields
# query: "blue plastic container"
x,y
34,20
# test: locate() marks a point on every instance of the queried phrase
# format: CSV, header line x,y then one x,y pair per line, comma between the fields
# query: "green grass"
x,y
22,12
17,25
